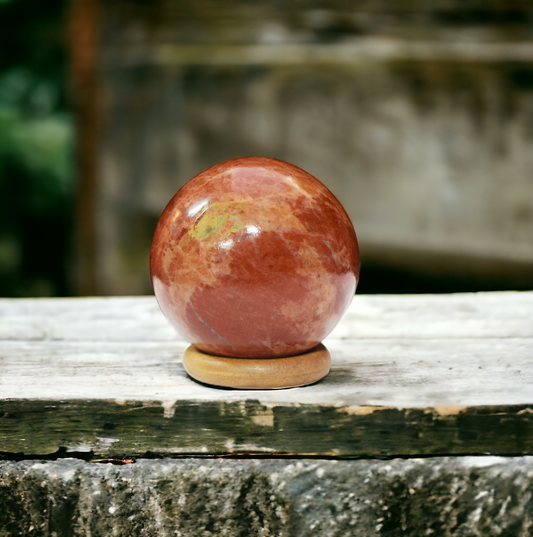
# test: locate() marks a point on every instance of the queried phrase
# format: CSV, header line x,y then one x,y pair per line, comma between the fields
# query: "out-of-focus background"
x,y
417,114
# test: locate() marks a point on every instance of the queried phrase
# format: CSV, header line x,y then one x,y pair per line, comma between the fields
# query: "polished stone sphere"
x,y
254,257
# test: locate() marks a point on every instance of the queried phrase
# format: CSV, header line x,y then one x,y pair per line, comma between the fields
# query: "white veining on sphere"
x,y
208,327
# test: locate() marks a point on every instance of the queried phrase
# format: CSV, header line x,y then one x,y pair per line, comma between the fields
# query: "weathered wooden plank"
x,y
134,428
382,398
86,319
463,315
389,373
106,375
450,316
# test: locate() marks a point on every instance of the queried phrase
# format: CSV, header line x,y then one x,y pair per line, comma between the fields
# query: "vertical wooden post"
x,y
83,40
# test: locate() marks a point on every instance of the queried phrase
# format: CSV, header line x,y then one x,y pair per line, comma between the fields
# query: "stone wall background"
x,y
418,115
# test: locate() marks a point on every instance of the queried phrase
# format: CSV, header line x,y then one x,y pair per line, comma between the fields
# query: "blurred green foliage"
x,y
36,150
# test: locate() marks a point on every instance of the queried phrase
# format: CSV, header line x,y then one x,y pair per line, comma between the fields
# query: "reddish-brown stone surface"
x,y
254,258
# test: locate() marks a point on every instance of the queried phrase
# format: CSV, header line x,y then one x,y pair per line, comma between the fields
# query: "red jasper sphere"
x,y
254,258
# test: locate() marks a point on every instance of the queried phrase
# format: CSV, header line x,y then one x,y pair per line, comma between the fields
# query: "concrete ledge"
x,y
435,496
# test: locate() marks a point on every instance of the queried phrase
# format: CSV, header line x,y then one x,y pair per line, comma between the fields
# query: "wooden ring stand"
x,y
258,373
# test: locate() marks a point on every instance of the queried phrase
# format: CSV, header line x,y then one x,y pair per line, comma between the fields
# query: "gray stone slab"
x,y
464,496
